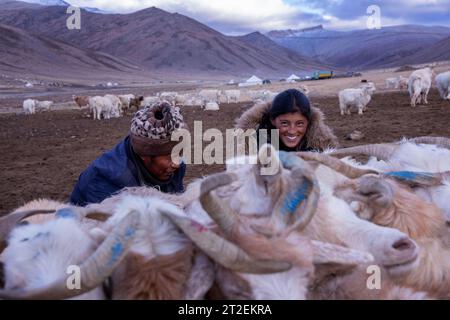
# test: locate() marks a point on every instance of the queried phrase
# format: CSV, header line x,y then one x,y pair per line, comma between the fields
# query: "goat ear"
x,y
378,191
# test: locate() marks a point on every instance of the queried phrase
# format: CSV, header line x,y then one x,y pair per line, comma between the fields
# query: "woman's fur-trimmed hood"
x,y
319,136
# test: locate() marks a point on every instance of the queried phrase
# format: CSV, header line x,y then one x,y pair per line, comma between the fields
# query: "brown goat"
x,y
81,101
386,202
136,102
160,278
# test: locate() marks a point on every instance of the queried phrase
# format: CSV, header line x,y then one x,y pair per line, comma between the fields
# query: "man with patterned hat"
x,y
143,158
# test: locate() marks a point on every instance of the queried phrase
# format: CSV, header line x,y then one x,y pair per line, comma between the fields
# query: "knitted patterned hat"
x,y
152,127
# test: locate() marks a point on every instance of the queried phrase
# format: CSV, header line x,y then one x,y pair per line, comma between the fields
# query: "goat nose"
x,y
403,244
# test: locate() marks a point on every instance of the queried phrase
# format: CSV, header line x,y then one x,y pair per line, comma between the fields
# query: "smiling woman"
x,y
301,127
290,113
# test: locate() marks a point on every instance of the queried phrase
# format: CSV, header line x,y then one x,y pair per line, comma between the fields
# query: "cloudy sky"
x,y
242,16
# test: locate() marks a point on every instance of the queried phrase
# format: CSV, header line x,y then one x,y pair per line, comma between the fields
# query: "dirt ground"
x,y
43,154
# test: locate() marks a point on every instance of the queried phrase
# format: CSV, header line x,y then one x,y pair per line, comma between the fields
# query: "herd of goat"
x,y
113,106
311,230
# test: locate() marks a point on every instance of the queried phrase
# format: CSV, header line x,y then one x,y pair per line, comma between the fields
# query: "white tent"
x,y
252,81
292,78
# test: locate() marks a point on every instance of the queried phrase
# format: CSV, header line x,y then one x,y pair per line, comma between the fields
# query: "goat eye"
x,y
367,193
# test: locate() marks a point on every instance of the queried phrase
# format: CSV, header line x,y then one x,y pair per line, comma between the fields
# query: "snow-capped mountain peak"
x,y
49,2
64,4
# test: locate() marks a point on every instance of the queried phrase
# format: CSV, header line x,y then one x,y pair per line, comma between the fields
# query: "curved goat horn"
x,y
381,151
217,209
439,141
94,270
8,222
221,250
413,178
336,164
308,189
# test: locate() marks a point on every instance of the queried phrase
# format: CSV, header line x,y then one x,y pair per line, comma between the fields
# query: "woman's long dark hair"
x,y
288,101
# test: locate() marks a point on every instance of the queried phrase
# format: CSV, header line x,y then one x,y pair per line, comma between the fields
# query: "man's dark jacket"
x,y
117,169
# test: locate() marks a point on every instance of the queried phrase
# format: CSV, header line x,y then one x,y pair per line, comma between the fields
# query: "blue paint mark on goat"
x,y
129,233
118,247
295,197
288,160
404,175
116,251
410,175
65,213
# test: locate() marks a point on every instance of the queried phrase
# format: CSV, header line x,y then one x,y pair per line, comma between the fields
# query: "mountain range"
x,y
35,38
160,41
366,49
24,53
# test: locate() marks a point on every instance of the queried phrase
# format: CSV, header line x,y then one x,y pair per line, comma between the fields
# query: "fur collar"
x,y
319,136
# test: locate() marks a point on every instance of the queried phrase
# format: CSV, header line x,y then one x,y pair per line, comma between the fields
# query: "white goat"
x,y
44,105
169,96
443,84
102,106
425,154
125,99
419,84
392,83
150,100
116,105
209,95
29,106
232,95
211,106
39,254
359,98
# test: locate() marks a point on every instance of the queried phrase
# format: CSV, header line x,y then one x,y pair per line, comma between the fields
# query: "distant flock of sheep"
x,y
114,106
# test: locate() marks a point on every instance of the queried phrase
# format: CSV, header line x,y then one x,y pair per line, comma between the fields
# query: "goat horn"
x,y
309,189
223,251
217,209
419,178
336,164
439,141
8,222
381,151
96,268
94,212
331,253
